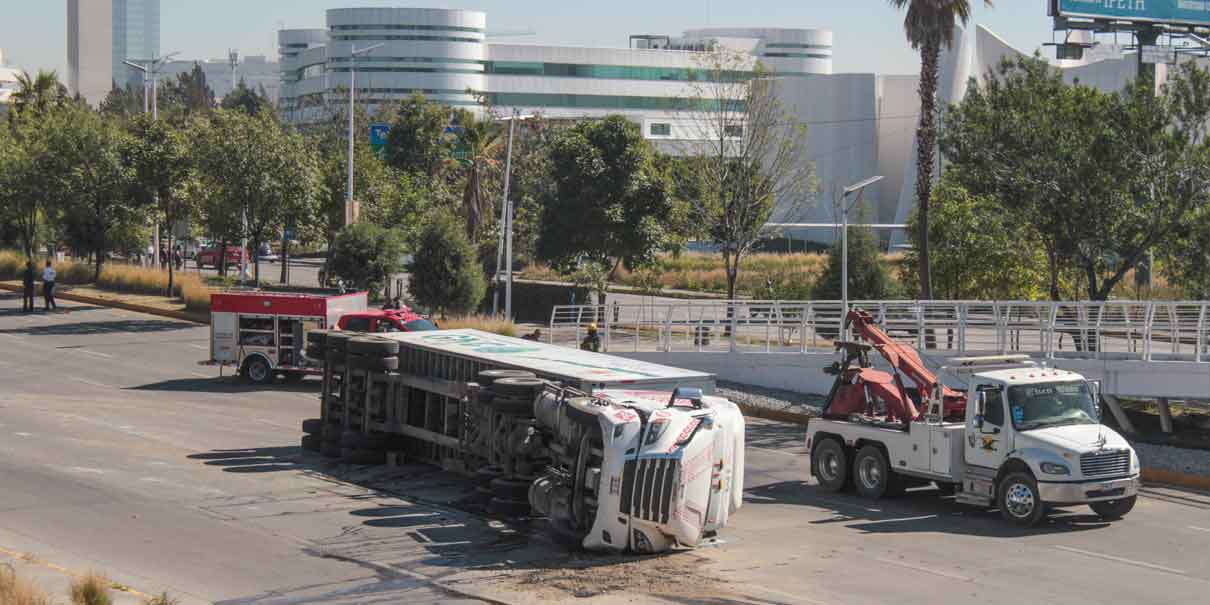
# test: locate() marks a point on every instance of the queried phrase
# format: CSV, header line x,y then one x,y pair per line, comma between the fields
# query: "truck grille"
x,y
1111,462
647,487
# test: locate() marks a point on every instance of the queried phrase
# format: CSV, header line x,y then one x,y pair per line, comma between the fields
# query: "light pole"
x,y
505,248
845,207
354,52
152,69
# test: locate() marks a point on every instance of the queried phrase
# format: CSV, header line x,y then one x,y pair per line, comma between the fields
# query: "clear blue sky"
x,y
868,33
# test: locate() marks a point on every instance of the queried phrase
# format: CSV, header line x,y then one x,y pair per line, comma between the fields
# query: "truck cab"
x,y
385,321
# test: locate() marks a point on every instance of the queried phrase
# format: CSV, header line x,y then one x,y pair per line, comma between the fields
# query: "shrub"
x,y
15,590
92,589
11,264
445,273
868,277
71,272
367,255
485,323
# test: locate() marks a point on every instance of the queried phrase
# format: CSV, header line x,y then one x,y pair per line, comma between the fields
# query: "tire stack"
x,y
335,343
509,393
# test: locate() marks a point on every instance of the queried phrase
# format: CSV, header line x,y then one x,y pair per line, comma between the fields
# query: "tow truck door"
x,y
987,442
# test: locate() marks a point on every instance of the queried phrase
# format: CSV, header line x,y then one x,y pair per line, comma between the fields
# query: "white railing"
x,y
1139,330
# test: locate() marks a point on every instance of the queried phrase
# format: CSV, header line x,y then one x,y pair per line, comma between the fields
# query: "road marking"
x,y
84,469
91,382
87,352
200,375
944,574
24,434
1089,553
773,451
1199,528
204,348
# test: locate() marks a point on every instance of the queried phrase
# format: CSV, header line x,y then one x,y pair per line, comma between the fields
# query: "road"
x,y
118,453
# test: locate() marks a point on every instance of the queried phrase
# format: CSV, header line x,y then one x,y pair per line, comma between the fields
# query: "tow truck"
x,y
1021,437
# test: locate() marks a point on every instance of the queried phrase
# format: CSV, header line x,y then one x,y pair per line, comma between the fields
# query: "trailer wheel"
x,y
317,338
313,426
337,341
330,449
488,377
373,346
830,465
332,431
511,488
373,364
518,387
1112,510
362,457
257,370
871,472
508,508
312,443
1019,501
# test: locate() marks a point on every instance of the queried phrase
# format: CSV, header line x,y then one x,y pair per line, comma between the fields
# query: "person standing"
x,y
27,280
48,286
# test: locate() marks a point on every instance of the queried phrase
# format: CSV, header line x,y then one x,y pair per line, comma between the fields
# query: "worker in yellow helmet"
x,y
592,342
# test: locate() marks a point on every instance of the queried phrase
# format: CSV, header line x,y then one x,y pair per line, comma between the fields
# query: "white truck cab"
x,y
1031,438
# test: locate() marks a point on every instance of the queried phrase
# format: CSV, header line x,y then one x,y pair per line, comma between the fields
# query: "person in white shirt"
x,y
48,286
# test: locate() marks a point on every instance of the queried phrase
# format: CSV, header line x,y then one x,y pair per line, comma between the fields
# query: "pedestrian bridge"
x,y
1137,348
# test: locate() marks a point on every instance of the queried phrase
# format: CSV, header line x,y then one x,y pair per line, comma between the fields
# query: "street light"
x,y
152,69
505,248
859,189
354,52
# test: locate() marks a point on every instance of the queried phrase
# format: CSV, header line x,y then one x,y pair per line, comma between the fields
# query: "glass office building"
x,y
136,36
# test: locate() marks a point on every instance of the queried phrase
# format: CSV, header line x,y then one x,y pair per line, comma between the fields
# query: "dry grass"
x,y
11,264
161,599
15,590
485,323
188,286
91,589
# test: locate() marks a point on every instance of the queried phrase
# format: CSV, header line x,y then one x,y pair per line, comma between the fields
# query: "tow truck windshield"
x,y
1037,406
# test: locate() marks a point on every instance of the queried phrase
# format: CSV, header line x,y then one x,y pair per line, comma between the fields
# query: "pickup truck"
x,y
209,257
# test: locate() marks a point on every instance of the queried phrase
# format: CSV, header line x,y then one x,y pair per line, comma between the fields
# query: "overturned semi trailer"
x,y
618,454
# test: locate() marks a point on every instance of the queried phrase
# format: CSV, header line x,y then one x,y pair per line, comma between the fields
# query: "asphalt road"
x,y
119,453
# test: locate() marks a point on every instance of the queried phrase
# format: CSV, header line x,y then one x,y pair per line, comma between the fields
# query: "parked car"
x,y
385,320
209,257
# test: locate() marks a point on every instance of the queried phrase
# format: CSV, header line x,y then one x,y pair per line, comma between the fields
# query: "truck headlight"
x,y
1051,468
1134,462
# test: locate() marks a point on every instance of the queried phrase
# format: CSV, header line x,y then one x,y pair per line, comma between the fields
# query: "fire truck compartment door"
x,y
222,337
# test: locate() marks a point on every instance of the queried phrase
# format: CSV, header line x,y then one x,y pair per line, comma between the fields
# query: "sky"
x,y
868,33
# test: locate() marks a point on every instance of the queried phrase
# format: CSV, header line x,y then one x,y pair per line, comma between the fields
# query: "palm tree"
x,y
481,139
929,26
38,93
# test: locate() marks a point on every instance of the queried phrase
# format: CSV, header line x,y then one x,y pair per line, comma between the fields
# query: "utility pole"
x,y
233,57
504,250
151,71
354,52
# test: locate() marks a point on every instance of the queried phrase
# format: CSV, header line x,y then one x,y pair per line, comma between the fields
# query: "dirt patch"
x,y
679,574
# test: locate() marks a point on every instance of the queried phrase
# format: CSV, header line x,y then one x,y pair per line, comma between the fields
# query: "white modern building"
x,y
8,83
101,34
256,71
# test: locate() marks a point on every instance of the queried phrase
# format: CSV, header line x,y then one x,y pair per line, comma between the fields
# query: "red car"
x,y
385,320
208,257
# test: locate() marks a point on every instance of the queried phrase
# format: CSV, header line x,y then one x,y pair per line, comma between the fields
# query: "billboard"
x,y
1180,12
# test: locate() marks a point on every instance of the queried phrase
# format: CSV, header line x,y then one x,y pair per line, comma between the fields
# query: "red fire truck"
x,y
263,334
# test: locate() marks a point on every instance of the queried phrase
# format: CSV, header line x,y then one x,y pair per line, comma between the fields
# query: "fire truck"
x,y
263,334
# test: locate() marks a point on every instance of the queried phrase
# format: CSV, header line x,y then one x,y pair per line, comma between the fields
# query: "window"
x,y
608,102
386,326
358,324
733,131
419,325
660,129
609,72
993,414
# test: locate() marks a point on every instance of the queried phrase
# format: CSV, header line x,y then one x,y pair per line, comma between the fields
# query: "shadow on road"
x,y
921,510
227,384
139,326
776,435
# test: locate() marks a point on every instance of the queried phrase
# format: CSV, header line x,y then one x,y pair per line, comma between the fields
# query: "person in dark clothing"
x,y
27,280
48,286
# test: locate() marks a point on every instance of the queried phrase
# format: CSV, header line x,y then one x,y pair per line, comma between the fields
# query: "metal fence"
x,y
1140,330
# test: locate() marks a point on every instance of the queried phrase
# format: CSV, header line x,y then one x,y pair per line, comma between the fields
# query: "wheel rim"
x,y
1019,500
829,466
870,473
258,371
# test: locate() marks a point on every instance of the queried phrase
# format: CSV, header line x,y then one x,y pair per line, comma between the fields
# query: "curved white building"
x,y
785,51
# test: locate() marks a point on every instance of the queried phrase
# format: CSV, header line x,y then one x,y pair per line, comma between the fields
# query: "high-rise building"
x,y
101,34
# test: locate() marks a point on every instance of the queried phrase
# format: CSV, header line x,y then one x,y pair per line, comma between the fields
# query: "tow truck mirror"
x,y
1094,389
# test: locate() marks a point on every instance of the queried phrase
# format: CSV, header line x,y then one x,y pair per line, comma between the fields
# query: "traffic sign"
x,y
378,135
1176,12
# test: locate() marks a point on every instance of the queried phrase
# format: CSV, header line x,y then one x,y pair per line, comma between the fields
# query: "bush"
x,y
485,323
868,277
71,272
15,590
445,273
11,264
367,255
92,589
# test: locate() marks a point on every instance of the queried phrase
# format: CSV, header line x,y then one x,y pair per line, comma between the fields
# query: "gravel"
x,y
1175,459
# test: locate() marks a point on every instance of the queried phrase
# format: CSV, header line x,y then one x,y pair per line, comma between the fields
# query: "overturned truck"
x,y
618,454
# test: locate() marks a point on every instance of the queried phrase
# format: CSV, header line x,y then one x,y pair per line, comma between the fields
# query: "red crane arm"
x,y
905,359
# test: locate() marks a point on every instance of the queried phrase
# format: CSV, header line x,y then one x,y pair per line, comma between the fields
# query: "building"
x,y
8,83
101,35
256,71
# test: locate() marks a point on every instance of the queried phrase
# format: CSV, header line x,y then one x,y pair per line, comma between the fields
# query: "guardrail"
x,y
1139,330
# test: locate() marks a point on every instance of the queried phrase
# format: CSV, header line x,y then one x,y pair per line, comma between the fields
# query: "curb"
x,y
105,302
756,411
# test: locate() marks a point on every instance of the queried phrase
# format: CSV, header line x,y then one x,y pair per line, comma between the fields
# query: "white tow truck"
x,y
1031,438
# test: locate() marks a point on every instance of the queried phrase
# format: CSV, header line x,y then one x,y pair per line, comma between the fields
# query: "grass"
x,y
91,589
161,599
15,590
484,323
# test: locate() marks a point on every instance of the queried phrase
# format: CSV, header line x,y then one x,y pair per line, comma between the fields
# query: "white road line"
x,y
773,451
944,574
95,353
1089,553
201,375
91,382
1199,528
204,348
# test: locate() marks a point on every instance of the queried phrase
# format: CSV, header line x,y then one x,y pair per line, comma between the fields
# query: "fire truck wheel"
x,y
488,377
871,472
508,508
582,410
485,474
511,488
830,465
316,338
257,370
373,346
330,449
513,407
312,443
516,387
313,426
379,364
363,457
332,432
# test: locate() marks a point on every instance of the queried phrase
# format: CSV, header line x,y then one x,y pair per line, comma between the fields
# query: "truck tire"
x,y
373,346
1112,510
830,465
332,432
317,338
871,472
314,352
313,426
312,443
513,407
518,387
511,488
365,441
1019,500
330,449
349,455
582,410
373,364
337,341
508,508
487,377
257,370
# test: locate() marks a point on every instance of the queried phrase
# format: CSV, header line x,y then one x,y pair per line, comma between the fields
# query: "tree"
x,y
159,157
750,154
123,102
868,277
481,139
186,96
248,100
929,26
37,95
30,179
417,142
978,251
367,256
609,203
445,274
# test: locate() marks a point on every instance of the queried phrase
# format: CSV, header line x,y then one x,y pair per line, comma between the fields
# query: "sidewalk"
x,y
163,306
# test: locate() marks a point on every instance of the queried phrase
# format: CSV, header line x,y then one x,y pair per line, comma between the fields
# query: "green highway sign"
x,y
1177,12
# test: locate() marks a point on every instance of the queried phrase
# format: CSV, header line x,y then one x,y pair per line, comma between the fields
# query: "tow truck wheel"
x,y
1019,500
830,465
1112,510
871,473
257,371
